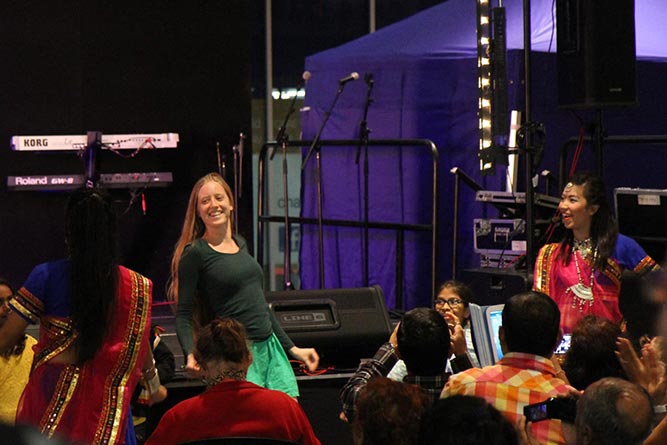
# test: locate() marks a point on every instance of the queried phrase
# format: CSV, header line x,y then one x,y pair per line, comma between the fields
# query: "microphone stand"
x,y
91,159
222,166
282,139
238,177
364,132
314,147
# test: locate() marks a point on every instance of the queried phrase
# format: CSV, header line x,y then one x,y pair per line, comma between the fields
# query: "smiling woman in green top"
x,y
212,275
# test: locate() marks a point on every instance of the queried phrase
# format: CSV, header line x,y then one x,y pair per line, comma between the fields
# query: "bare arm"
x,y
156,391
659,434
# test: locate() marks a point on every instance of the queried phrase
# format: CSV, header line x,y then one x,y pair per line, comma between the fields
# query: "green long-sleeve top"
x,y
232,283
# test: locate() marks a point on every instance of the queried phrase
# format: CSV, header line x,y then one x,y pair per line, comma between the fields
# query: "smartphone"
x,y
564,344
562,408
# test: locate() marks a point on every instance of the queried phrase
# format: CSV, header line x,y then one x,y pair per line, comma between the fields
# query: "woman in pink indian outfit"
x,y
582,273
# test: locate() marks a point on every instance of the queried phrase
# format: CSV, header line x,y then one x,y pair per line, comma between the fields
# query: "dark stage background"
x,y
76,66
427,88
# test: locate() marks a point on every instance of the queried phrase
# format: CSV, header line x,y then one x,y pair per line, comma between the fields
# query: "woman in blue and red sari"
x,y
582,273
94,320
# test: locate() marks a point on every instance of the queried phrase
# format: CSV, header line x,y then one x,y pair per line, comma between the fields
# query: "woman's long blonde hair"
x,y
193,228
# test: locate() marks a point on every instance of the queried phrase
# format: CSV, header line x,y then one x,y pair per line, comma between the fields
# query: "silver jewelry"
x,y
581,293
585,247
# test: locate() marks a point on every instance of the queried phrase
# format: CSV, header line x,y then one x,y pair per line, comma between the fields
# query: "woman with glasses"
x,y
451,302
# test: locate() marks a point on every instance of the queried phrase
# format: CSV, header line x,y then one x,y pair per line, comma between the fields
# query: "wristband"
x,y
660,409
153,384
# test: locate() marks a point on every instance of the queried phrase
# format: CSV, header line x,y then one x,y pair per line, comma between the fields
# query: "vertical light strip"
x,y
268,24
484,88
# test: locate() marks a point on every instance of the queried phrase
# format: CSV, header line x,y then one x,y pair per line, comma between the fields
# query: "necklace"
x,y
582,294
232,374
585,247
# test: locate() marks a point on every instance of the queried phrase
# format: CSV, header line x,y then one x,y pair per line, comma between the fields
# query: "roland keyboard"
x,y
71,182
145,141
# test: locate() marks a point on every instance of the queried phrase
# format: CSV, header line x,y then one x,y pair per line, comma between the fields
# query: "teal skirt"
x,y
271,368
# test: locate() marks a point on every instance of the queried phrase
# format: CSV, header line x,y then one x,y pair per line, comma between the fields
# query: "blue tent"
x,y
425,86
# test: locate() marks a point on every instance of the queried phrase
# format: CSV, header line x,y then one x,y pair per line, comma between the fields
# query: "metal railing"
x,y
264,218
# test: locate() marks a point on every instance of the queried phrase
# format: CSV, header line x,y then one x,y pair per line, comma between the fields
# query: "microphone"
x,y
281,138
368,78
346,79
327,114
305,77
547,174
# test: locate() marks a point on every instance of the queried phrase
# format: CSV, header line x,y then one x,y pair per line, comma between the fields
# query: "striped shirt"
x,y
517,380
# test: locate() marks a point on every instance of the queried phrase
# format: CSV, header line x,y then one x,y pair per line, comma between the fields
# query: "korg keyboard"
x,y
142,141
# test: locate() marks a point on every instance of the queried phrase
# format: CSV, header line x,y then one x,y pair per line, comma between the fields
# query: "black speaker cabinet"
x,y
494,286
344,325
596,53
642,215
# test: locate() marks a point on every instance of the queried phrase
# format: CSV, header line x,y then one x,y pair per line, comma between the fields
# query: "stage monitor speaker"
x,y
344,325
642,215
596,53
494,286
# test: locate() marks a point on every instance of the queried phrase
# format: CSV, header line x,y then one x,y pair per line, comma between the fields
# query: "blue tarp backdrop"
x,y
425,86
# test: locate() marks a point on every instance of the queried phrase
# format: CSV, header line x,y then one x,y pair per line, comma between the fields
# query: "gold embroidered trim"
x,y
544,265
29,306
61,397
109,424
61,335
645,266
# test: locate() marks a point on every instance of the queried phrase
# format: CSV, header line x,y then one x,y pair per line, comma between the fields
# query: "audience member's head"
x,y
613,411
222,349
25,435
6,294
388,412
530,324
466,420
640,312
592,353
454,296
424,342
659,345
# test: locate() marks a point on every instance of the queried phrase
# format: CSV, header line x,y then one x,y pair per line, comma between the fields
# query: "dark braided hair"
x,y
91,234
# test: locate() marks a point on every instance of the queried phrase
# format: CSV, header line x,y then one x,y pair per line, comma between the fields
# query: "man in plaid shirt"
x,y
422,339
525,375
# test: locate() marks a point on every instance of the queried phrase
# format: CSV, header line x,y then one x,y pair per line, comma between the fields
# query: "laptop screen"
x,y
494,321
